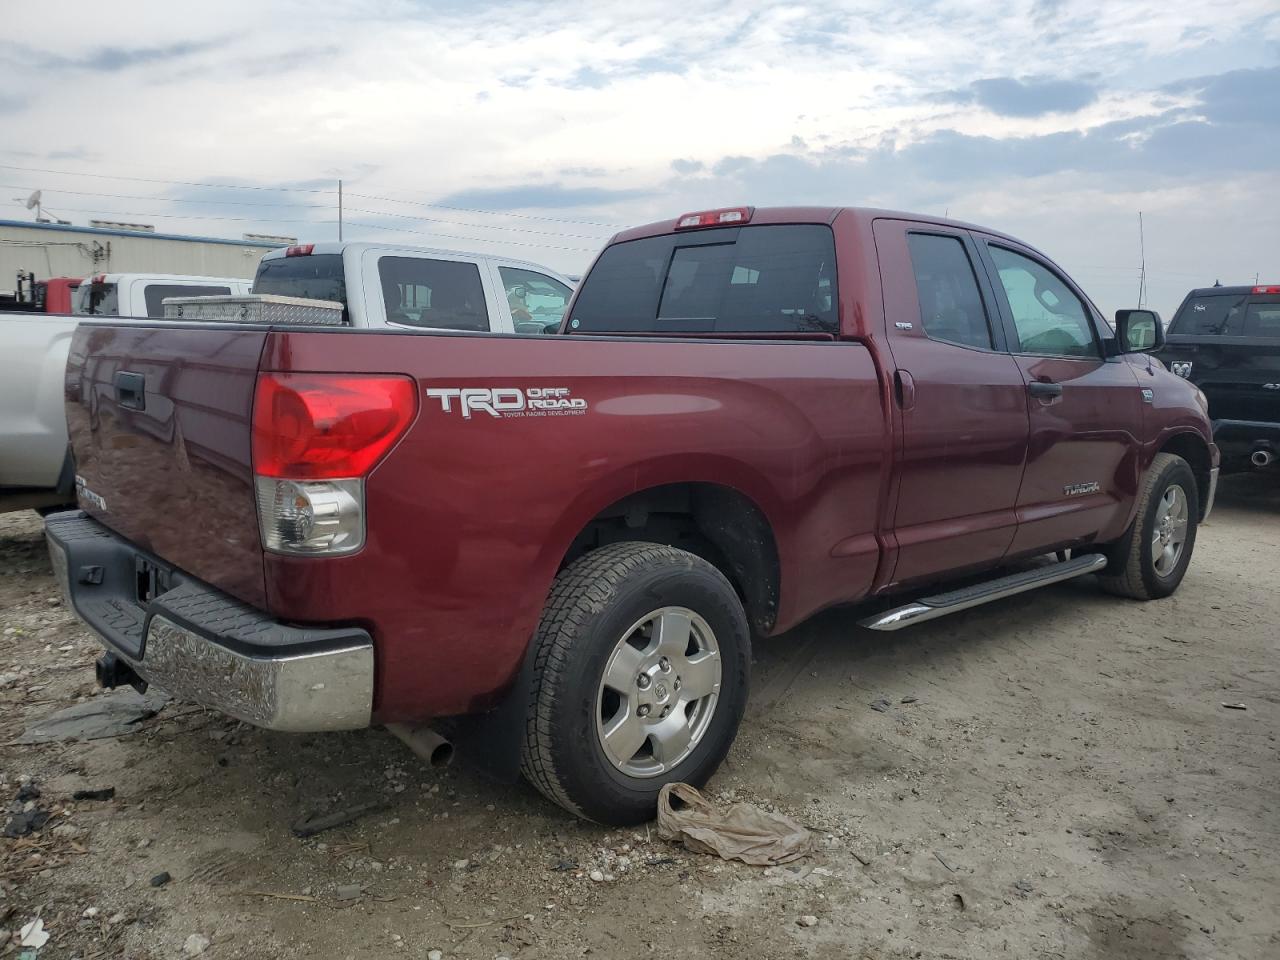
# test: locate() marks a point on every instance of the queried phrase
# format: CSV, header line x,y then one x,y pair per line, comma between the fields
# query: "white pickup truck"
x,y
378,285
35,465
143,294
408,288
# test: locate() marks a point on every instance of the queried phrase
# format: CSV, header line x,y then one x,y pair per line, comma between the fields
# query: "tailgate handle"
x,y
131,390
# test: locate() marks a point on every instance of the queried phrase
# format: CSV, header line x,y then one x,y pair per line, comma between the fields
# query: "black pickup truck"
x,y
1226,340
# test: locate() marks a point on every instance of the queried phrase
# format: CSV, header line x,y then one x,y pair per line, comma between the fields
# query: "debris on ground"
x,y
33,934
26,817
318,823
110,715
808,920
348,891
104,793
740,831
195,945
1235,706
160,879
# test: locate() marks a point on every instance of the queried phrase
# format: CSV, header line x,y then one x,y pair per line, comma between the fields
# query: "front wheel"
x,y
640,679
1150,560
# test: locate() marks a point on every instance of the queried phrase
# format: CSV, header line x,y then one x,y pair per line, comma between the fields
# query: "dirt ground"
x,y
1056,776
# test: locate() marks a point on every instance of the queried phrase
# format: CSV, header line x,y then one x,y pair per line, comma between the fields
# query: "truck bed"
x,y
471,514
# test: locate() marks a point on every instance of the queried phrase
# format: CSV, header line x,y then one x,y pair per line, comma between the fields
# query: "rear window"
x,y
316,277
156,292
96,299
1211,315
767,279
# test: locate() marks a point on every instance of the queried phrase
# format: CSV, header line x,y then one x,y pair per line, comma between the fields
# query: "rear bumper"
x,y
1239,438
204,646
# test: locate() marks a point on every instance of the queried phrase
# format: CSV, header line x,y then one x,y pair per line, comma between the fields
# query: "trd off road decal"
x,y
507,402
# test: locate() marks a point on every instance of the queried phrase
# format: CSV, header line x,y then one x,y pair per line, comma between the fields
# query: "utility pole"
x,y
1142,249
339,211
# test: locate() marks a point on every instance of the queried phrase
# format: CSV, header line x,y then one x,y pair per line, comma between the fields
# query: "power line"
x,y
135,196
308,190
445,236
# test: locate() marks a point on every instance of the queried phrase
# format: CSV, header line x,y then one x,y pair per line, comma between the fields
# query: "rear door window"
x,y
766,279
438,294
1212,315
156,292
951,307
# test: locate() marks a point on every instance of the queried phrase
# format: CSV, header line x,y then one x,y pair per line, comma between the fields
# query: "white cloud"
x,y
425,100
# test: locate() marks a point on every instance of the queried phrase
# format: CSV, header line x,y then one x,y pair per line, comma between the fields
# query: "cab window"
x,y
438,294
1050,320
951,307
537,301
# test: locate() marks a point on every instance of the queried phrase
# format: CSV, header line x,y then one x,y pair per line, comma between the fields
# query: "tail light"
x,y
714,218
1267,289
316,436
299,250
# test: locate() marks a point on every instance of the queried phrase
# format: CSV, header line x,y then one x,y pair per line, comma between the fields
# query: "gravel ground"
x,y
1055,776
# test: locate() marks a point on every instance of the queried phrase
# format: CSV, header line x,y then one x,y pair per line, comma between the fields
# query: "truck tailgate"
x,y
159,419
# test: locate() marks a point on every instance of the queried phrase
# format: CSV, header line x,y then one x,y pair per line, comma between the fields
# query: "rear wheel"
x,y
1150,560
640,679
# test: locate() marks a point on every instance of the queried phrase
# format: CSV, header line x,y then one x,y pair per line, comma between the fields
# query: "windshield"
x,y
316,277
767,279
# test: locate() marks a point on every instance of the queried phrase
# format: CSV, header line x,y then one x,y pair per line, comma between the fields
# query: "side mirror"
x,y
1139,331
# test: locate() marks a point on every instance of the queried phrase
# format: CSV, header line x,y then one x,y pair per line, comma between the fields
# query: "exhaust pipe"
x,y
113,672
425,742
1262,457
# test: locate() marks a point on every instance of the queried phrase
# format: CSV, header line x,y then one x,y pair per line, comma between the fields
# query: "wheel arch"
x,y
1191,447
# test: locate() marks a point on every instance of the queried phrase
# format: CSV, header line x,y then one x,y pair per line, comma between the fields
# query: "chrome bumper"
x,y
205,647
1213,493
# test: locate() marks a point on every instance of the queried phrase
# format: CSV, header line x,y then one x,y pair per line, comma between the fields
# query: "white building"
x,y
63,250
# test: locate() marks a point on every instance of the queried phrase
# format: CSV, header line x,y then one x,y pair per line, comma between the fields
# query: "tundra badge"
x,y
1181,367
1080,489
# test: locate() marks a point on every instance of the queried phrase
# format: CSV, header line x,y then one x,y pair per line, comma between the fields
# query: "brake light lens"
x,y
299,250
315,438
723,217
1267,289
318,426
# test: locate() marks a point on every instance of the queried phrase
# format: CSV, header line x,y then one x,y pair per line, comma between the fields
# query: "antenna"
x,y
1142,275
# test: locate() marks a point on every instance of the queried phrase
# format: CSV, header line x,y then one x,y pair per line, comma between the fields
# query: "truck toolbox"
x,y
202,645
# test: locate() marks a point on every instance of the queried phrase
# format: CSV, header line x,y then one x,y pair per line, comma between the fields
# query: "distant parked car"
x,y
1226,340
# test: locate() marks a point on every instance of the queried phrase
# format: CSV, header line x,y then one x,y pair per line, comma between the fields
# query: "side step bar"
x,y
939,605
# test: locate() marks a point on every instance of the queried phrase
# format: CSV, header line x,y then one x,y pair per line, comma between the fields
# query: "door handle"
x,y
904,389
1044,389
131,390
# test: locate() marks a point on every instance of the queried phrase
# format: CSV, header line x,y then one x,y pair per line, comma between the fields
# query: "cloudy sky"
x,y
536,129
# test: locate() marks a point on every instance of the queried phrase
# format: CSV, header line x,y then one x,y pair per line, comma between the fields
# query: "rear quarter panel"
x,y
469,519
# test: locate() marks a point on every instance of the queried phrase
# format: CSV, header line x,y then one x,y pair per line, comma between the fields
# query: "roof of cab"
x,y
801,214
357,247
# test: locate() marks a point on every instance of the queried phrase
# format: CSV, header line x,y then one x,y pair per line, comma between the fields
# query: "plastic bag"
x,y
738,832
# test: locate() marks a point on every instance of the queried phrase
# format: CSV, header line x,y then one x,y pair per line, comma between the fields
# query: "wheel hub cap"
x,y
659,692
1170,530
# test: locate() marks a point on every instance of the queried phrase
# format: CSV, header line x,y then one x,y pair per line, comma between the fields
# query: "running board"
x,y
939,605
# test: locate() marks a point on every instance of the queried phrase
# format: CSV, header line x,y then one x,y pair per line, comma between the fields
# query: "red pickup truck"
x,y
750,415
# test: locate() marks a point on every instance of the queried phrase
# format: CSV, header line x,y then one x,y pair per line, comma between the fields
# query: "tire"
x,y
1134,570
598,605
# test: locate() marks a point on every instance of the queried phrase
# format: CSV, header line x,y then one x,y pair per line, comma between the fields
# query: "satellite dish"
x,y
33,201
